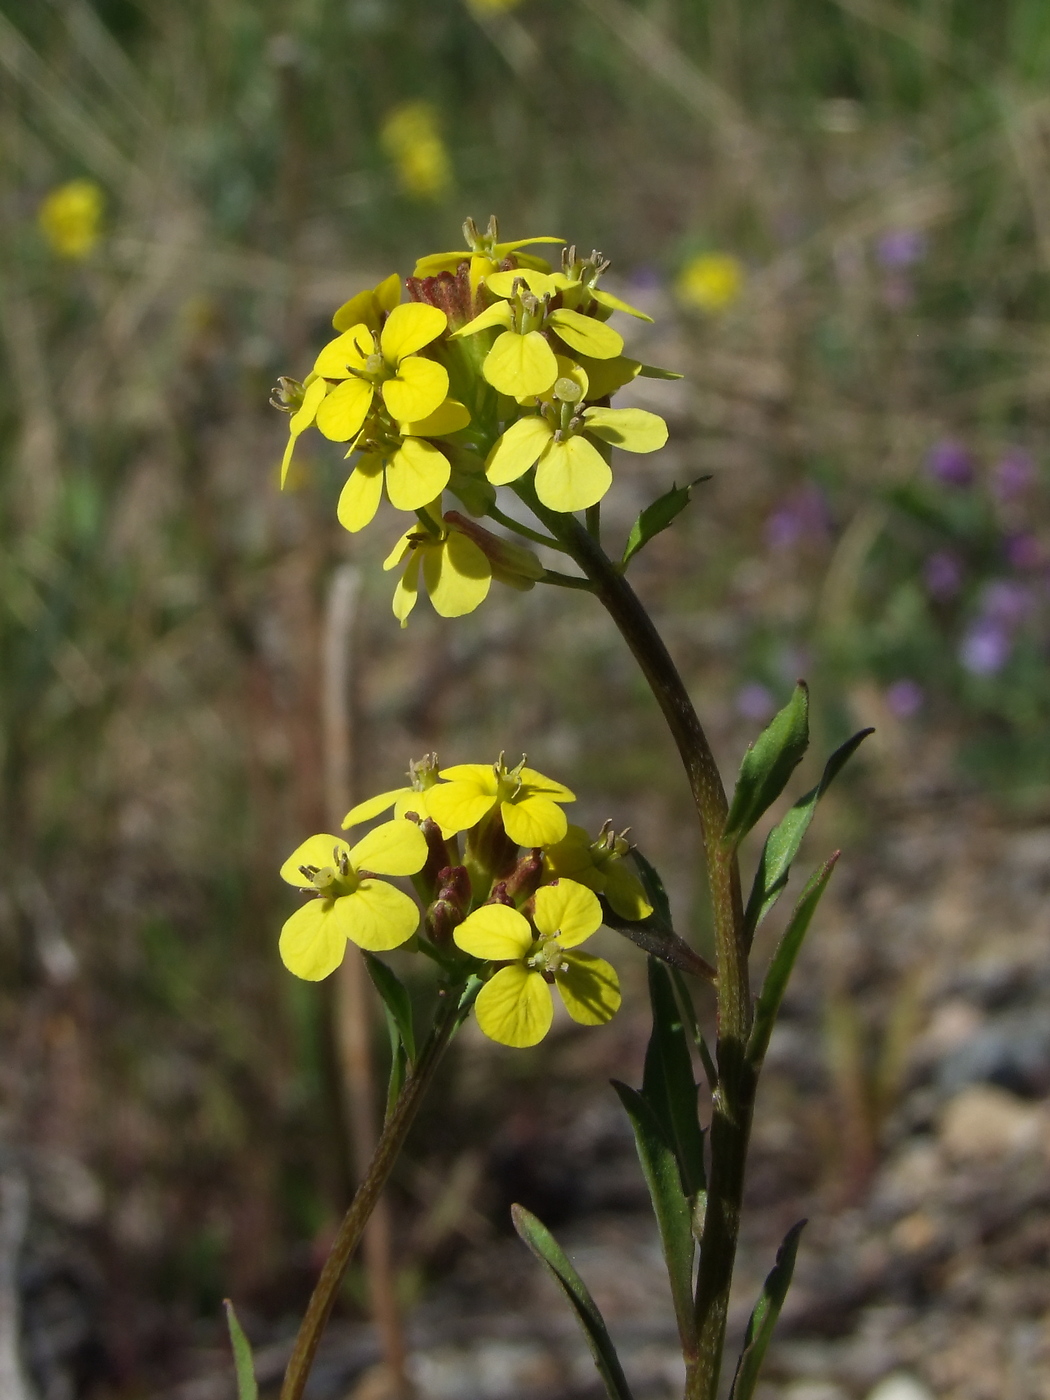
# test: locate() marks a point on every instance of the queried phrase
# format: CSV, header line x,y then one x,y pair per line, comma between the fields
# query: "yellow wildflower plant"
x,y
70,218
411,137
371,307
350,902
484,255
711,281
599,865
515,1006
528,802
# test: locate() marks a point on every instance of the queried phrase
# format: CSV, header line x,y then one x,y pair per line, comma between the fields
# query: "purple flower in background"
x,y
1013,475
949,461
755,701
943,575
1006,602
986,647
802,516
904,698
645,277
900,248
1024,552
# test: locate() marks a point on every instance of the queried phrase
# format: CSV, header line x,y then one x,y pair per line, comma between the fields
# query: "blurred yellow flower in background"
x,y
70,218
492,7
411,138
711,281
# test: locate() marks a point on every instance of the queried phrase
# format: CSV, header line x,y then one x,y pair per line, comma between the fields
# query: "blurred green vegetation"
x,y
879,167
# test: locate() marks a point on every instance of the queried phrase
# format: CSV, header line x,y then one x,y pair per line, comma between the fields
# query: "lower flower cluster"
x,y
502,880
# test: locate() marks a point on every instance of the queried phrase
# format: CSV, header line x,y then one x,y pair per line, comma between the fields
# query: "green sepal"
x,y
655,372
768,764
668,1085
547,1250
673,1215
783,960
396,1000
783,841
764,1317
656,517
247,1387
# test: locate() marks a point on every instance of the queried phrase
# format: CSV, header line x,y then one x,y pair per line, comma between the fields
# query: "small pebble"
x,y
901,1386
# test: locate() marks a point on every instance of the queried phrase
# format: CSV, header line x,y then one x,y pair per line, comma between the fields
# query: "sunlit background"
x,y
838,211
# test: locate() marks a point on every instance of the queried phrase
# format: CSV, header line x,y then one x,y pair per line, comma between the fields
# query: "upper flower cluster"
x,y
496,371
502,876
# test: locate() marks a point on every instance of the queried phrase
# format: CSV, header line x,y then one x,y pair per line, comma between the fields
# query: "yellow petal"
x,y
407,590
347,351
318,851
625,893
519,365
408,328
567,911
615,304
344,410
448,417
394,848
572,475
604,377
494,931
633,429
312,942
502,249
459,806
518,449
378,917
589,988
416,473
301,420
359,310
585,334
388,292
457,577
534,821
515,1007
365,811
538,782
482,775
399,551
501,284
360,496
498,315
420,387
434,263
571,856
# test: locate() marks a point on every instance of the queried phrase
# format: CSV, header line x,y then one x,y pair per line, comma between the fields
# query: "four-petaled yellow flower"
x,y
515,1006
484,254
456,573
414,470
711,281
350,902
599,865
70,218
413,798
527,801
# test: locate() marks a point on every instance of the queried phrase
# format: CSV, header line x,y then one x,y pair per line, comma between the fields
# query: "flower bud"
x,y
438,859
450,907
450,292
287,395
524,879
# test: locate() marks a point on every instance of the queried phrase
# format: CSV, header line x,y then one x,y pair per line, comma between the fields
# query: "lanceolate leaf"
x,y
764,1318
783,961
783,841
768,764
247,1389
657,517
654,887
653,937
668,1085
395,999
673,1215
547,1250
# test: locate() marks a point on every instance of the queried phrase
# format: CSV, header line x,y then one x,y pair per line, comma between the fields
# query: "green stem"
x,y
450,1013
733,1099
509,523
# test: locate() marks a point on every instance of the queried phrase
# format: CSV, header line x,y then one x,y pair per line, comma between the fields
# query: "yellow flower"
x,y
370,307
411,138
527,801
70,218
414,470
711,281
599,865
515,1006
484,254
421,777
456,574
350,902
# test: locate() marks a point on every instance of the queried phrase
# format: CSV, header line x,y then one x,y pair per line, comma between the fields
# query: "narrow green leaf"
x,y
783,841
247,1389
656,517
653,937
685,1001
768,764
547,1250
673,1215
764,1318
668,1085
398,1072
783,960
395,999
654,887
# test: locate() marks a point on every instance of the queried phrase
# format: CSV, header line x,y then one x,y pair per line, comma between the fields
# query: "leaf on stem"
x,y
668,1085
247,1389
783,961
768,764
654,938
653,886
764,1317
656,517
783,841
397,1002
685,1001
547,1250
673,1215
